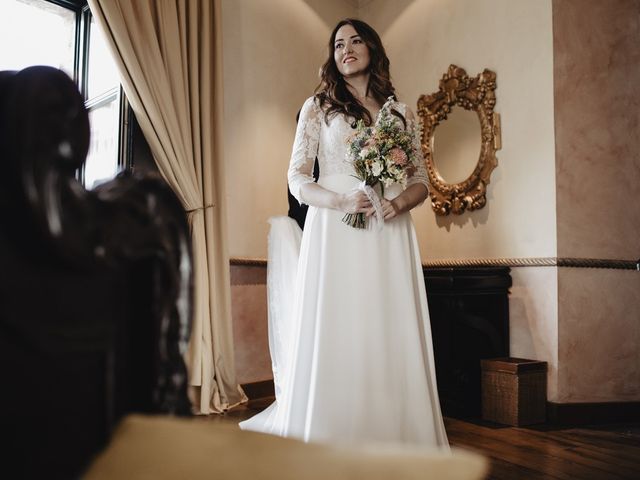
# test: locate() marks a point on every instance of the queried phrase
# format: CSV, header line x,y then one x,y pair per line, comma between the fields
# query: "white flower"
x,y
376,168
388,162
388,182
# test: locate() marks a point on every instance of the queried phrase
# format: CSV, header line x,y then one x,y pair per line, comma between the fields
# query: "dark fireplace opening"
x,y
469,310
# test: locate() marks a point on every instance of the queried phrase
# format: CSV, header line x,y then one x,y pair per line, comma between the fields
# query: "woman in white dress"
x,y
351,339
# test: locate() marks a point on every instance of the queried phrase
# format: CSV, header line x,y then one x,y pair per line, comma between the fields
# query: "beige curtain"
x,y
169,56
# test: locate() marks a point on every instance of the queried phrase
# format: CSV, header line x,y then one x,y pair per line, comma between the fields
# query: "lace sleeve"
x,y
420,175
305,147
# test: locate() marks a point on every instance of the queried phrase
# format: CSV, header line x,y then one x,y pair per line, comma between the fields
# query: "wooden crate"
x,y
514,391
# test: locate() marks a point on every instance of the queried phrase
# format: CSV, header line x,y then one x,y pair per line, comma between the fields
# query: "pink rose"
x,y
398,157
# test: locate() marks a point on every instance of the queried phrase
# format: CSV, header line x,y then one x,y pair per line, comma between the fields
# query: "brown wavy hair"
x,y
332,93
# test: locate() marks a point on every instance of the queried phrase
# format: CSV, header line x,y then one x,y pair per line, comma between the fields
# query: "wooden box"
x,y
514,391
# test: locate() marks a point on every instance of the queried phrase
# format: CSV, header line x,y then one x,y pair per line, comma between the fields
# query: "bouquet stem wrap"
x,y
358,220
375,201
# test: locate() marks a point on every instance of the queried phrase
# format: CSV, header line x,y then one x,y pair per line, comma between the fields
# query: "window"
x,y
105,103
39,33
64,35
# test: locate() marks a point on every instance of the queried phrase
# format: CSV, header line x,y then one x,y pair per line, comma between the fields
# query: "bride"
x,y
349,328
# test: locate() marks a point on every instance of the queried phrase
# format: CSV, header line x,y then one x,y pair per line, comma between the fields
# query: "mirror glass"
x,y
456,145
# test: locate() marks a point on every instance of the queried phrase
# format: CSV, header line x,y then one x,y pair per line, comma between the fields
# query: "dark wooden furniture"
x,y
469,310
95,287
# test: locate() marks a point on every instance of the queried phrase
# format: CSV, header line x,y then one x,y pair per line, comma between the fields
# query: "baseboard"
x,y
593,413
257,390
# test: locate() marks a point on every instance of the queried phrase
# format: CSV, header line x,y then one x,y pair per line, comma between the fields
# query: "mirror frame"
x,y
471,93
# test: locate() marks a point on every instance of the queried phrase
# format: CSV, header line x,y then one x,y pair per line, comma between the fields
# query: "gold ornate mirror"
x,y
461,154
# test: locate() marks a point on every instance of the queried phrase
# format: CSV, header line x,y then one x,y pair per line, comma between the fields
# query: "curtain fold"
x,y
169,57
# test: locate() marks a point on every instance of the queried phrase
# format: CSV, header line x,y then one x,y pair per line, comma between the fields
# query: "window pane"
x,y
35,32
102,161
103,75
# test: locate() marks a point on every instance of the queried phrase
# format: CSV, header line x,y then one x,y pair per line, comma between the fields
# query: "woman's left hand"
x,y
389,209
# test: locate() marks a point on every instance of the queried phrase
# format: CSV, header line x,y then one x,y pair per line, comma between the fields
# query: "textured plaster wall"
x,y
597,115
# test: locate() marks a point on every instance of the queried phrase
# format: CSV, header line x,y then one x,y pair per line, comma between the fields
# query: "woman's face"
x,y
350,52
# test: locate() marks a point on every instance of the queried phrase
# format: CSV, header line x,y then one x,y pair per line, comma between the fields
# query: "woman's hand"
x,y
412,196
354,201
390,209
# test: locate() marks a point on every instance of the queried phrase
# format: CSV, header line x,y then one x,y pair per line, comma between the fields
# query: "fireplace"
x,y
469,310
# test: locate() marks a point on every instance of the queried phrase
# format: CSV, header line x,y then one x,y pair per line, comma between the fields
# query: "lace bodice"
x,y
315,138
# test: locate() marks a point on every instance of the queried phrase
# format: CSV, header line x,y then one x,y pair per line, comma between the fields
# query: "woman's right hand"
x,y
354,201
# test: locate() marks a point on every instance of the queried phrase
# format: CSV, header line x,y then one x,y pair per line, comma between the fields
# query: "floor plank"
x,y
610,452
564,453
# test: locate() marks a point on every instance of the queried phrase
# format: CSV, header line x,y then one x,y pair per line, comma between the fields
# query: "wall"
x,y
562,188
597,114
272,54
514,39
533,319
250,335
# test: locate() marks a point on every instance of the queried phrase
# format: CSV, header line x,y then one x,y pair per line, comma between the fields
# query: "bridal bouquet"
x,y
382,154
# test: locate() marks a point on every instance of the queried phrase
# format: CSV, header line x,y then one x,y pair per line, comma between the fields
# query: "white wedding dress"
x,y
349,327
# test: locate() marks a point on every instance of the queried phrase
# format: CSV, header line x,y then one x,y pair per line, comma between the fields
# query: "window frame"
x,y
81,78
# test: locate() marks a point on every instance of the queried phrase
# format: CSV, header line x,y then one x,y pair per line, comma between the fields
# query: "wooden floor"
x,y
537,452
603,452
